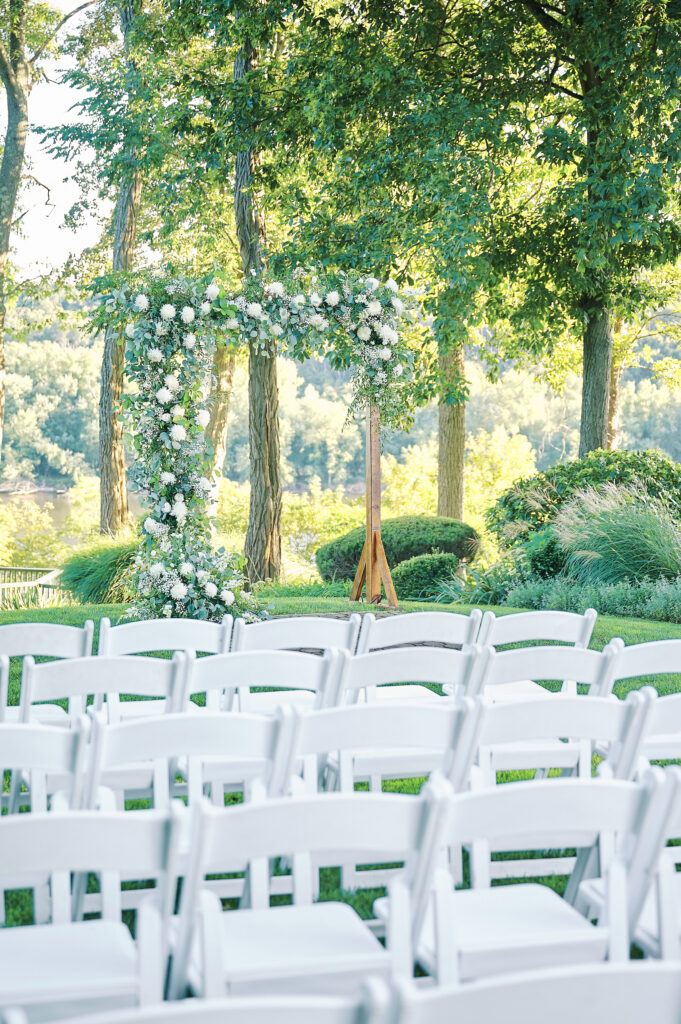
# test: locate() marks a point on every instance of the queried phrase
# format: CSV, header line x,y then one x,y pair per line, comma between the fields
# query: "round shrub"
x,y
544,556
532,503
403,538
420,578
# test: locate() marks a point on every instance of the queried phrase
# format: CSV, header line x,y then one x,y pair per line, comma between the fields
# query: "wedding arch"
x,y
172,326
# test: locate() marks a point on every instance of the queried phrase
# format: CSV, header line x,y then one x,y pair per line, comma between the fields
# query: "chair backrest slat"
x,y
165,635
238,671
433,665
418,627
591,668
527,627
297,632
46,640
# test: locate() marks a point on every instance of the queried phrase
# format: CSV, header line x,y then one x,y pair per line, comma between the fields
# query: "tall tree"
x,y
28,31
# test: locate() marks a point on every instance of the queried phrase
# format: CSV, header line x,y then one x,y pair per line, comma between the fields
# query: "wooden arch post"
x,y
373,569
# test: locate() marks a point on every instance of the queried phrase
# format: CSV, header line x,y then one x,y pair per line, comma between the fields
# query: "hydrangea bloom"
x,y
157,570
178,591
363,332
141,303
275,288
189,341
203,418
206,308
227,598
171,382
187,315
186,569
332,298
212,292
167,311
154,355
254,309
209,589
392,285
374,308
130,330
167,478
164,395
177,432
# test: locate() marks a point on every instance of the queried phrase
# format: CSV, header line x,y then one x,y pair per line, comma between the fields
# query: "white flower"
x,y
130,330
254,309
371,284
186,569
179,511
177,410
209,589
319,322
152,527
332,298
363,332
212,291
397,305
187,315
178,497
397,370
315,299
206,308
386,353
381,377
203,418
170,289
157,570
298,300
232,324
392,285
141,302
388,334
161,329
155,355
189,341
164,395
177,432
166,508
201,575
277,330
171,381
167,312
374,308
178,591
166,417
275,288
227,597
168,478
203,484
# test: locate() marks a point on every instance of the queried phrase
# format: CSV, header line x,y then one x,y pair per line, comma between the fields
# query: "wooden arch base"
x,y
373,570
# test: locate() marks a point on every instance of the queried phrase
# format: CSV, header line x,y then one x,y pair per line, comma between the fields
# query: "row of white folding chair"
x,y
592,994
326,946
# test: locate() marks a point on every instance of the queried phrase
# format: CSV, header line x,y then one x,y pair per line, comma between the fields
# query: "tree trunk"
x,y
451,438
224,363
598,338
17,93
263,537
113,491
112,484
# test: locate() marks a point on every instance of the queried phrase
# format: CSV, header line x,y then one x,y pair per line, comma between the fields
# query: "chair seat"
x,y
323,947
54,968
522,689
391,763
266,702
141,708
41,714
546,753
404,693
510,928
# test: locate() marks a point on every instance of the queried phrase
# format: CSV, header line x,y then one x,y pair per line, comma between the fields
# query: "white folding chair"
x,y
304,947
481,931
71,965
413,741
540,735
76,679
43,759
297,632
165,635
287,677
371,1006
530,627
407,674
594,994
442,628
513,675
41,640
657,658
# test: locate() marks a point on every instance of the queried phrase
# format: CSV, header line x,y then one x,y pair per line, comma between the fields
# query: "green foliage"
x,y
658,600
419,578
101,574
482,586
543,553
403,538
530,504
28,535
619,533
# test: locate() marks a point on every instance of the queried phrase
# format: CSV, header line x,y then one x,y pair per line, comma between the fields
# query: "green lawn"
x,y
630,630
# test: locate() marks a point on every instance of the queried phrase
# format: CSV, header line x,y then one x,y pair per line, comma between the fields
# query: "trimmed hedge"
x,y
530,504
403,538
420,578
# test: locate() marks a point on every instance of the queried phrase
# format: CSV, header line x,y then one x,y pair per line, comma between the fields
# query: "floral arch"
x,y
171,326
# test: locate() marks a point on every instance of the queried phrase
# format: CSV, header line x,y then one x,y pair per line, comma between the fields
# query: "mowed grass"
x,y
632,631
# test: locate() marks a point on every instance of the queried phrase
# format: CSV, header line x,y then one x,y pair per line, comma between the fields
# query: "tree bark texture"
x,y
263,537
15,73
598,338
451,422
224,363
113,490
